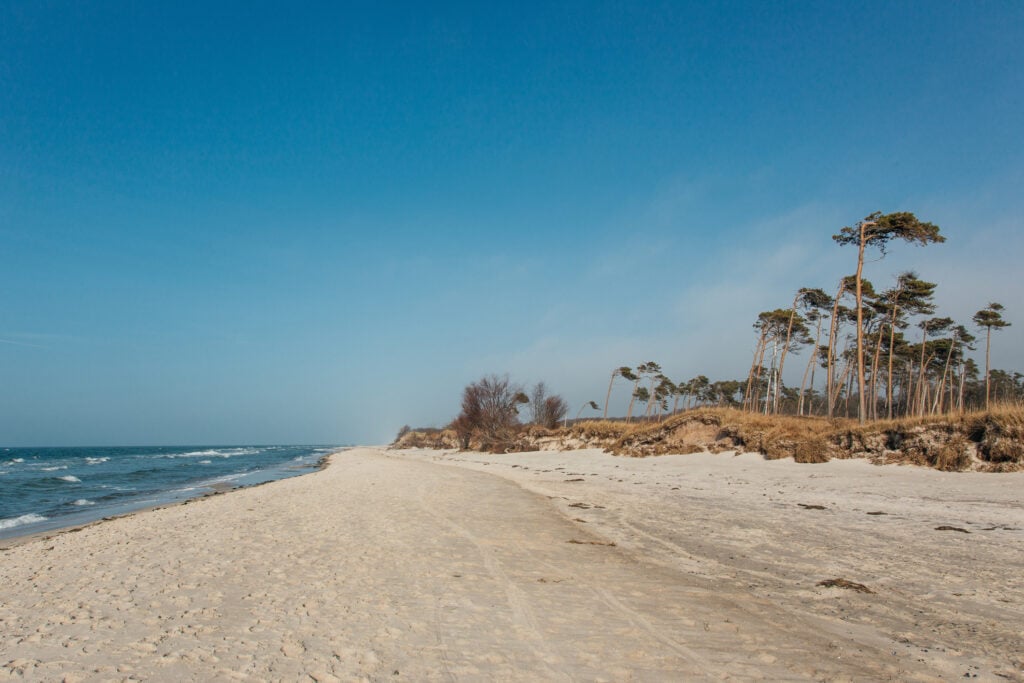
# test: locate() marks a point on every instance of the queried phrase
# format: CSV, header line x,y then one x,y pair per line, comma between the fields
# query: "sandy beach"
x,y
437,565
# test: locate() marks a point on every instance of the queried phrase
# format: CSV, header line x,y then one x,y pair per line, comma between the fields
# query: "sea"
x,y
42,489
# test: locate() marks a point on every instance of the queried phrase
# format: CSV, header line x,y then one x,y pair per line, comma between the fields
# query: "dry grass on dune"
x,y
714,429
983,440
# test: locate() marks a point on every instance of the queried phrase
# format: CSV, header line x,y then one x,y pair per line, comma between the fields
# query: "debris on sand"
x,y
578,542
843,583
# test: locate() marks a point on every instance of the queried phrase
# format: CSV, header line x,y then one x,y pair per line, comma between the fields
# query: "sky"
x,y
230,223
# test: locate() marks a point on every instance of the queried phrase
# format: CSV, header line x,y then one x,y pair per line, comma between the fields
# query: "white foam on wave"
x,y
95,461
83,502
205,462
214,452
30,518
15,461
72,478
54,468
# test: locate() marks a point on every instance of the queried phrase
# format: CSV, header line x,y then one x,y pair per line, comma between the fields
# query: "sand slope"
x,y
391,567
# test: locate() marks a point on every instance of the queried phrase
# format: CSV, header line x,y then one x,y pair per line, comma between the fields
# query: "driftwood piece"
x,y
843,583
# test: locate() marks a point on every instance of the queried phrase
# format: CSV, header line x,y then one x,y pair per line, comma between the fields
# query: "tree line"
x,y
864,358
874,365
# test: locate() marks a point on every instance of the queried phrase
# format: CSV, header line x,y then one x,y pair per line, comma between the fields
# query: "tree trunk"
x,y
988,377
860,325
768,402
814,368
924,389
960,392
937,408
833,324
785,347
632,400
918,403
747,404
608,396
650,404
757,375
874,372
892,348
807,371
839,387
908,388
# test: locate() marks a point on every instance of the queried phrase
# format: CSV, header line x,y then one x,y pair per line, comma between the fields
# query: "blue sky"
x,y
257,223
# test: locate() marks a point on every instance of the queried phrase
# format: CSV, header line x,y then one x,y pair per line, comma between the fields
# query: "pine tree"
x,y
990,318
877,230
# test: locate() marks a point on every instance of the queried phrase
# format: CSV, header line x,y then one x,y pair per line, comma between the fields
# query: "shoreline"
x,y
213,489
465,565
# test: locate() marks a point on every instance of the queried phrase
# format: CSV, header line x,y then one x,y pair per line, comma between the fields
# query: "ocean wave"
x,y
54,468
30,518
213,452
211,483
71,478
83,502
15,461
95,461
205,462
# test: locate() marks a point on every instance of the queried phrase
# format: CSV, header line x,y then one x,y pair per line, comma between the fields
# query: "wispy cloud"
x,y
18,343
38,340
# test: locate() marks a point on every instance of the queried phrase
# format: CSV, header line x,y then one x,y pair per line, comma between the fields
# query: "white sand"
x,y
391,567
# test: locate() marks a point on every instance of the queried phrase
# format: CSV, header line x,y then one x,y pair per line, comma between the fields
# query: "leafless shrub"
x,y
490,413
546,410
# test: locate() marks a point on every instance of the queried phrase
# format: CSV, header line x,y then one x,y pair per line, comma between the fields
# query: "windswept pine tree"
x,y
839,314
642,370
652,371
662,391
877,230
928,353
626,373
990,317
910,296
587,404
960,340
797,334
816,304
643,395
771,327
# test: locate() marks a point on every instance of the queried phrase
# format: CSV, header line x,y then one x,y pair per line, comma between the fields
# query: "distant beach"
x,y
441,565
